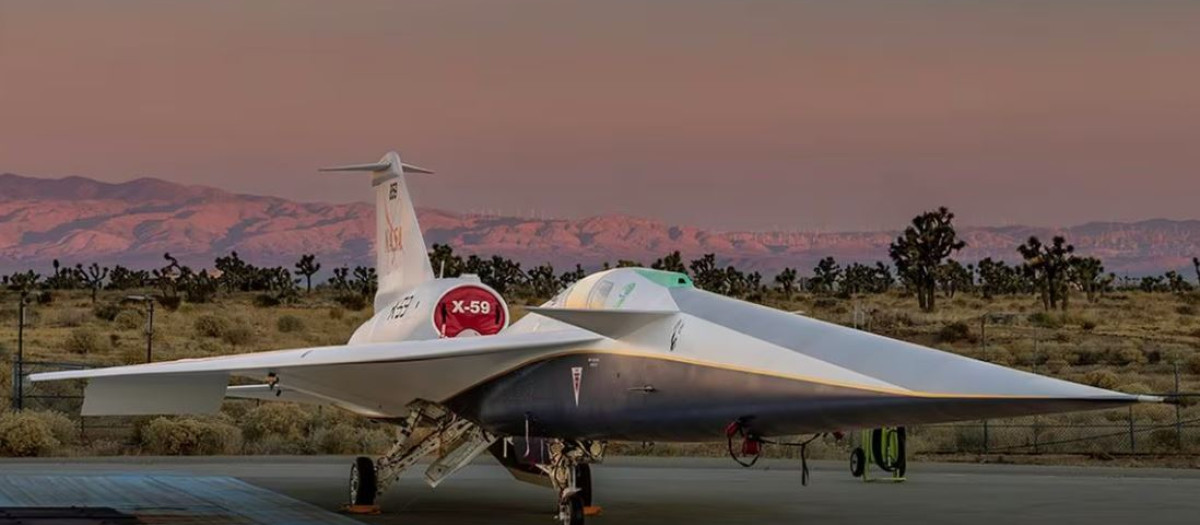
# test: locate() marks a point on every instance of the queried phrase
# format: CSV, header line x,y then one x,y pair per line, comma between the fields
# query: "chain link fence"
x,y
1142,429
1152,429
65,397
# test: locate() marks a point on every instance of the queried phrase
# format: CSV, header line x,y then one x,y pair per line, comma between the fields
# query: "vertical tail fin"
x,y
401,259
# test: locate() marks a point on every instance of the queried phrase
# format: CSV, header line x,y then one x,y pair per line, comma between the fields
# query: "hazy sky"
x,y
728,114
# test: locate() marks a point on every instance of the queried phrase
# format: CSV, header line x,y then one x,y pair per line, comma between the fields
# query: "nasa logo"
x,y
394,239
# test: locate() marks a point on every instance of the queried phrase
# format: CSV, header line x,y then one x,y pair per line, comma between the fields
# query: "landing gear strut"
x,y
571,476
428,428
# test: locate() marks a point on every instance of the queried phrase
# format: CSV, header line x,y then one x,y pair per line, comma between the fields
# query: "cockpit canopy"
x,y
623,289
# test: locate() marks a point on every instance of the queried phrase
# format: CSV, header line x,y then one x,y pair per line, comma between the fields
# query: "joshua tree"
x,y
93,277
122,278
1196,263
198,287
672,262
542,281
706,274
444,261
883,278
1047,265
920,250
1088,274
365,281
22,281
308,266
235,273
857,279
569,278
167,277
826,275
65,277
954,277
785,281
1176,283
1152,284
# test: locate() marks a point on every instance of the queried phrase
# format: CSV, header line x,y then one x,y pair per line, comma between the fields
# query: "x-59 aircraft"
x,y
630,354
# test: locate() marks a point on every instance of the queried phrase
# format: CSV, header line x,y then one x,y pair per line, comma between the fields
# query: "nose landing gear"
x,y
570,474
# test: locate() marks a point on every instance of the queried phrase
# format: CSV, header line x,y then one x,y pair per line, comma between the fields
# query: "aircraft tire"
x,y
858,462
363,482
583,479
571,510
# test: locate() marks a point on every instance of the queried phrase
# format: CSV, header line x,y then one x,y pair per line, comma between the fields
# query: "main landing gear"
x,y
428,428
570,474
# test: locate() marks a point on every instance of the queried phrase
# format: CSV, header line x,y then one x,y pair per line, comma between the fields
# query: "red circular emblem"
x,y
469,310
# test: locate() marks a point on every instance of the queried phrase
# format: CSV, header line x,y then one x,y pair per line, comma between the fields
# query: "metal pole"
x,y
149,330
19,402
1178,420
983,335
985,436
1132,439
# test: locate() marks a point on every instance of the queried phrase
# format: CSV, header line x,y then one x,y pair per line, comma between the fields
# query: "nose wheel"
x,y
570,510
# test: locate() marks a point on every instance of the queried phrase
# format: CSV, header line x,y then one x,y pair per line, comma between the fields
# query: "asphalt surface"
x,y
712,491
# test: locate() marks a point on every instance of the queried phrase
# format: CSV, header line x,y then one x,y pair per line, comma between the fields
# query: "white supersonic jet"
x,y
630,354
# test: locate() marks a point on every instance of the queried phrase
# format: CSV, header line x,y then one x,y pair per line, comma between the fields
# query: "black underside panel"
x,y
637,398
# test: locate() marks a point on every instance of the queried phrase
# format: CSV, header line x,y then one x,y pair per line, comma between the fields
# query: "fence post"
x,y
1178,420
1132,439
985,436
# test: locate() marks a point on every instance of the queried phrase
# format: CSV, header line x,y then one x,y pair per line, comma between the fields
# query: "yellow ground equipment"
x,y
885,447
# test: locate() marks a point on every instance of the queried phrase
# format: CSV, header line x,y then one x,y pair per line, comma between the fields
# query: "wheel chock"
x,y
361,510
593,510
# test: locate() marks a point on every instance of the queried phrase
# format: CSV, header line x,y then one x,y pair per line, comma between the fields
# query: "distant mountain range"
x,y
76,219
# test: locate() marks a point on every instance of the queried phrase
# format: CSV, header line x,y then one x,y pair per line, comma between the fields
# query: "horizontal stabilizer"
x,y
609,323
376,166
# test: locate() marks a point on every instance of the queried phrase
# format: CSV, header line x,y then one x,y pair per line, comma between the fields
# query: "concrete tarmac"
x,y
638,491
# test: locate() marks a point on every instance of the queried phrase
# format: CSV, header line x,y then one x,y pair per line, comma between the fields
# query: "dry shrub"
x,y
1134,388
289,323
1125,355
351,301
62,427
27,434
1192,363
346,438
85,341
275,444
954,332
285,420
238,335
189,436
1045,320
71,318
336,314
129,320
106,311
1057,365
211,326
1101,379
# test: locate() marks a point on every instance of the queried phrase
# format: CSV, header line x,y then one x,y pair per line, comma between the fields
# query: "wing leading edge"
x,y
372,379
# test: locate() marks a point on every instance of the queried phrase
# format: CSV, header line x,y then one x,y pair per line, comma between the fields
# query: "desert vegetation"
x,y
1047,310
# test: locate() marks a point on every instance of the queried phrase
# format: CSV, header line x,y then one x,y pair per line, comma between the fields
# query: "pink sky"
x,y
727,114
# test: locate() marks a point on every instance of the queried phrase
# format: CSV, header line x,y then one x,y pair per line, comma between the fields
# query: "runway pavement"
x,y
710,491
